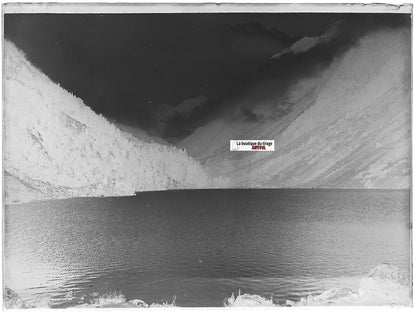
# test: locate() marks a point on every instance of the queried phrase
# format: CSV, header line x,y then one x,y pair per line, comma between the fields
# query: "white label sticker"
x,y
252,145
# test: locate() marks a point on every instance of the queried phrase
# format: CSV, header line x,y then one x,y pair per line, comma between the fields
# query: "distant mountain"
x,y
139,133
343,125
56,147
347,125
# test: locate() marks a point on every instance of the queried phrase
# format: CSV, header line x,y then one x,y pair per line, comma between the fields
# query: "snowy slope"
x,y
347,126
56,147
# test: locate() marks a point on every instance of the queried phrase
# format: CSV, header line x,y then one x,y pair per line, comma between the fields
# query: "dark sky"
x,y
169,73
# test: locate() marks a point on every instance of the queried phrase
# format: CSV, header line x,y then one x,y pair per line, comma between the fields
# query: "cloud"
x,y
250,115
266,90
184,110
189,105
306,43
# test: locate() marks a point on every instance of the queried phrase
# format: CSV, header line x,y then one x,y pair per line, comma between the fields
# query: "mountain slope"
x,y
346,126
56,147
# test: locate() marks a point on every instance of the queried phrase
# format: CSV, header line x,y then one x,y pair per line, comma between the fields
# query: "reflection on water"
x,y
202,245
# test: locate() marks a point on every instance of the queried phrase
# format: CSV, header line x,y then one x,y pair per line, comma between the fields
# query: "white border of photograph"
x,y
198,6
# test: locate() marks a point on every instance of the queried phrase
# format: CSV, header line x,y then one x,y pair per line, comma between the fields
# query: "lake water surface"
x,y
202,245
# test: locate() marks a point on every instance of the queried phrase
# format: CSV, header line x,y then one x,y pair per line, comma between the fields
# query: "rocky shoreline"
x,y
385,285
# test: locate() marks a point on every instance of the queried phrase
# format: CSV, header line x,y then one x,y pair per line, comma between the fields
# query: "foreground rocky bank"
x,y
384,285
